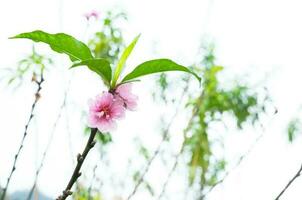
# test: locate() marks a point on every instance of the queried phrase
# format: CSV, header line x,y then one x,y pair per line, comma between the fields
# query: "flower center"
x,y
104,112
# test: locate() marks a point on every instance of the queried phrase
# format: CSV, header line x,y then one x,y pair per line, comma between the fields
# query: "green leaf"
x,y
98,65
122,61
155,66
61,43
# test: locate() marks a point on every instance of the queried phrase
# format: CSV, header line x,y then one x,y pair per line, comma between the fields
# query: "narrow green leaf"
x,y
122,61
130,81
61,43
155,66
98,65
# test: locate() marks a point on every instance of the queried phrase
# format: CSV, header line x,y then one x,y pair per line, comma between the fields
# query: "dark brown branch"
x,y
37,97
290,182
80,160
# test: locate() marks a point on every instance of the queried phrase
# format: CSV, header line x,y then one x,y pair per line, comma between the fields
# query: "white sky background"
x,y
254,39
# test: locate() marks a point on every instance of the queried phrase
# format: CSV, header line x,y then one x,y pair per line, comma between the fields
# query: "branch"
x,y
80,160
156,152
194,112
49,142
171,172
242,157
33,106
290,182
50,139
150,161
180,152
240,160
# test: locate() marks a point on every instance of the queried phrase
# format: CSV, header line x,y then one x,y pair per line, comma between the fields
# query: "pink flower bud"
x,y
91,14
123,94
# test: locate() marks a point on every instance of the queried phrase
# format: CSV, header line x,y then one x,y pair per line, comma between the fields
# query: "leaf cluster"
x,y
80,54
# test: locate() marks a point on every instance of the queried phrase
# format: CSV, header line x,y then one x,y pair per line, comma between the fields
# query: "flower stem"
x,y
80,160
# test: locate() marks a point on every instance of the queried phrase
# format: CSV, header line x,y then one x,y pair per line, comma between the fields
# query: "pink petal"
x,y
124,92
117,110
106,126
131,105
92,120
106,99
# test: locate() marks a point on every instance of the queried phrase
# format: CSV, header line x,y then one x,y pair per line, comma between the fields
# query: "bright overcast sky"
x,y
255,39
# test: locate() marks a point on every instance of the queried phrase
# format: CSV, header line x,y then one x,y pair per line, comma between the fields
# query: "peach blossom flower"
x,y
104,111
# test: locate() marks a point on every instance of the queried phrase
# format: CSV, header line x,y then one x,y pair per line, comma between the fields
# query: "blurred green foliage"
x,y
32,66
108,41
136,176
209,105
294,128
83,193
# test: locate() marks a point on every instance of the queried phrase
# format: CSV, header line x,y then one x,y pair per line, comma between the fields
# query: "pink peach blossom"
x,y
104,111
91,14
123,93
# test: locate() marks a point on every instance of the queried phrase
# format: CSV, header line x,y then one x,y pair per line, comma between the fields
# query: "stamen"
x,y
100,114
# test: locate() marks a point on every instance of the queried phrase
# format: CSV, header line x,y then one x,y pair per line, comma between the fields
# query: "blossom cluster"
x,y
107,108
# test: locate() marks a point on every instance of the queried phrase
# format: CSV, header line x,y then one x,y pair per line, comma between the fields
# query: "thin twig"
x,y
242,157
290,182
92,181
50,139
80,160
171,173
194,112
156,152
240,160
37,97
